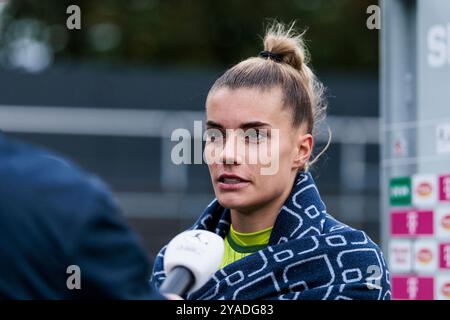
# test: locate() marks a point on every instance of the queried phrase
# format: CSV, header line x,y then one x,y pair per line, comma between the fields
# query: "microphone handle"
x,y
178,281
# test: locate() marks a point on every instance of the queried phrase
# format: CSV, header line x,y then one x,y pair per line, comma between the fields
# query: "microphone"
x,y
191,258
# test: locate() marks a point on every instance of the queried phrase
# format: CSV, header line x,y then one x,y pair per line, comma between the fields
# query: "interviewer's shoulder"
x,y
34,175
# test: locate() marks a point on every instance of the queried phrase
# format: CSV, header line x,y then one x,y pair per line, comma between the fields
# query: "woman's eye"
x,y
255,135
213,135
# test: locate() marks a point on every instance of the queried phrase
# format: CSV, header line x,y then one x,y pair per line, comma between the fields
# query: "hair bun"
x,y
286,44
271,56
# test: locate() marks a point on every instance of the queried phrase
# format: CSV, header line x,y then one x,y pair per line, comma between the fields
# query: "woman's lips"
x,y
232,186
231,182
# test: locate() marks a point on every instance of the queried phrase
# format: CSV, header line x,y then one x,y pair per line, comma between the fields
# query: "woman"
x,y
280,243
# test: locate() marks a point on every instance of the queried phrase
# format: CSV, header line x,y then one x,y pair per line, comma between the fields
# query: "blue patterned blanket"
x,y
310,256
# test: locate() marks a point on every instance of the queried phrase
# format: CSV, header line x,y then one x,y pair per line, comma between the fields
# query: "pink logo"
x,y
444,188
444,256
412,223
412,288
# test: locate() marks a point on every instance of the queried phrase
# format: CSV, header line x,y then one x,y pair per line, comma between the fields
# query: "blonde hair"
x,y
285,64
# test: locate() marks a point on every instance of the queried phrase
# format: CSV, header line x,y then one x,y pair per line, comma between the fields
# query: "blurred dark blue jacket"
x,y
53,216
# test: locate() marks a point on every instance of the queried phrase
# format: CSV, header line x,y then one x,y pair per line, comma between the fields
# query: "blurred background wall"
x,y
108,95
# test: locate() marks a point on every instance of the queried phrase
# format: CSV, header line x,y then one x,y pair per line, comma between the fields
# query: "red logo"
x,y
425,255
445,222
424,189
446,289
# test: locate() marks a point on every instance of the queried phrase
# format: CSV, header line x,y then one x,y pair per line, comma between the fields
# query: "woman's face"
x,y
255,165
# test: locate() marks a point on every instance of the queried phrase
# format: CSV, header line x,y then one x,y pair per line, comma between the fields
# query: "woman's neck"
x,y
260,218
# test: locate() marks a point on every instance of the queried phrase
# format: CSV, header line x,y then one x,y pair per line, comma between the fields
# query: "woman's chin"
x,y
232,201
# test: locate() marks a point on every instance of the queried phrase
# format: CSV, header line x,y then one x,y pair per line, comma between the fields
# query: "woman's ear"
x,y
303,150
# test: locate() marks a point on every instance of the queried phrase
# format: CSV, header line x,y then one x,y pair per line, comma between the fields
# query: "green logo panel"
x,y
400,192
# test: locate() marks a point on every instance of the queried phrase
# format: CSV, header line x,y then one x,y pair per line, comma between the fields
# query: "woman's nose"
x,y
233,150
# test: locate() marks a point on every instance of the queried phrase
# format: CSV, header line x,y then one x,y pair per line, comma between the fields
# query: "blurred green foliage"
x,y
193,33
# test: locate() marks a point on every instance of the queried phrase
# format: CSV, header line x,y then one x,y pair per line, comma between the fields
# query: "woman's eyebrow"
x,y
254,124
213,124
246,125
